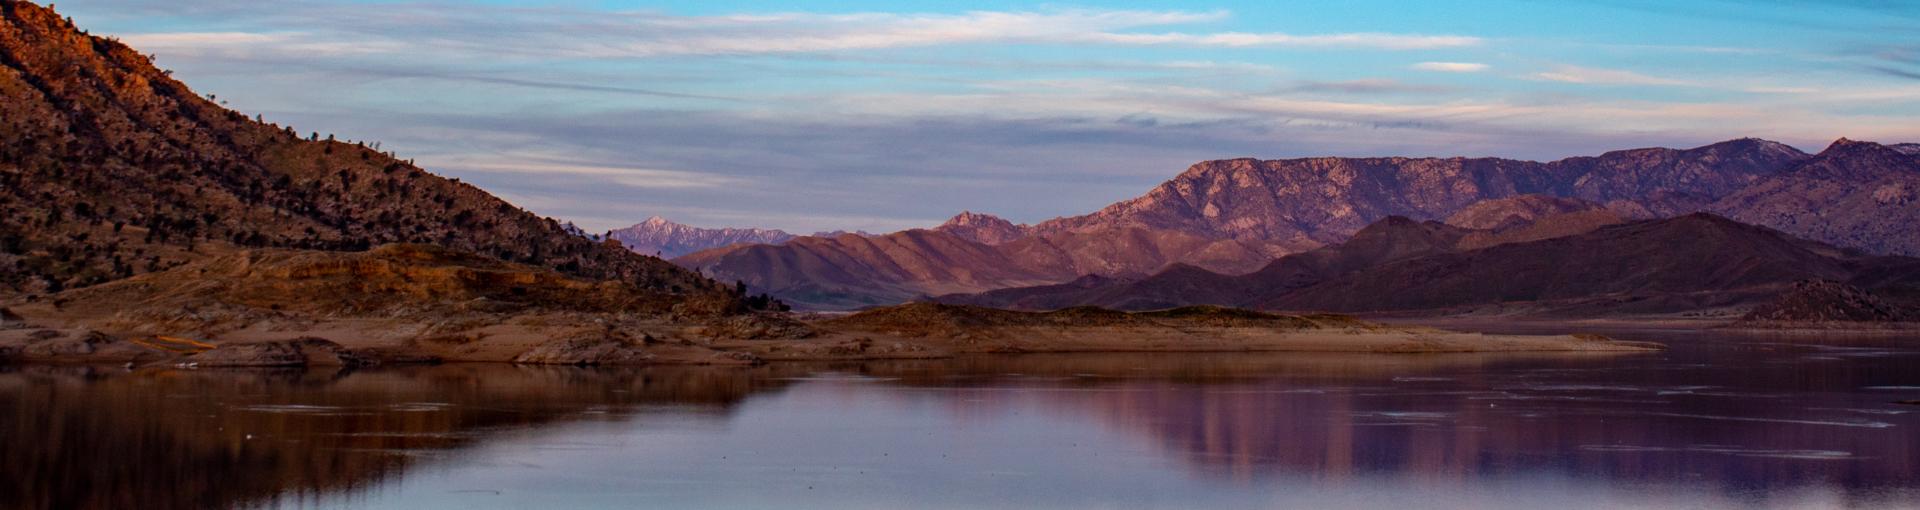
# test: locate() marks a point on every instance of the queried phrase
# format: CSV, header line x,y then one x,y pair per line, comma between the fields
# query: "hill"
x,y
110,168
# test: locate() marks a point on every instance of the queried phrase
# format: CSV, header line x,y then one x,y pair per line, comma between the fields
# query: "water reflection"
x,y
1714,423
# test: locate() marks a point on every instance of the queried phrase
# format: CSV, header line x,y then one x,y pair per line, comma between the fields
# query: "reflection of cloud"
x,y
1450,67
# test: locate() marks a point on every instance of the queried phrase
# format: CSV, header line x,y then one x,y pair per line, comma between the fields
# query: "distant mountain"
x,y
853,271
657,236
110,168
1517,210
1315,201
838,233
983,228
1854,194
1530,218
1687,262
1235,216
1684,263
1391,239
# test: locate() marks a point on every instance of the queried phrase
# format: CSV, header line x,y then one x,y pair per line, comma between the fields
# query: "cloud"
x,y
248,44
1450,67
551,33
1366,86
1596,76
551,165
1235,39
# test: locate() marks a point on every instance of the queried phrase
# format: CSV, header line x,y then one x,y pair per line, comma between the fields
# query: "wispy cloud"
x,y
1597,76
534,165
568,34
1235,39
1365,86
880,120
248,44
1450,67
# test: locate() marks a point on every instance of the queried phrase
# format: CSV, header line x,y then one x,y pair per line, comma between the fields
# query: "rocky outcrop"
x,y
667,239
10,320
299,352
983,228
1826,302
589,348
759,326
74,345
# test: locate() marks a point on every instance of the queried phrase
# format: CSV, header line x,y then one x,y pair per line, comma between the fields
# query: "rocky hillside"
x,y
851,271
110,168
663,238
400,280
1825,302
1855,194
1314,201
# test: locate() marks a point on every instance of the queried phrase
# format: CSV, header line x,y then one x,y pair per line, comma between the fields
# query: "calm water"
x,y
1715,422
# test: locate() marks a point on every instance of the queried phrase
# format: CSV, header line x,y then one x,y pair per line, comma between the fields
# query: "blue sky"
x,y
886,115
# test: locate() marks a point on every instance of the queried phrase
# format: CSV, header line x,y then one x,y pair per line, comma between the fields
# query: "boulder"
x,y
10,320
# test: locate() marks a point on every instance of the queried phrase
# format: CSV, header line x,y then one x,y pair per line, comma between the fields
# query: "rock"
x,y
49,343
729,357
760,326
587,348
10,320
299,352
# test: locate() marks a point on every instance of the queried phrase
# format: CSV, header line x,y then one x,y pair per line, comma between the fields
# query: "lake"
x,y
1716,422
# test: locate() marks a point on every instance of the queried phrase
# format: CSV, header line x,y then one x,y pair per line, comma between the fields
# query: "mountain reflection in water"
x,y
1715,422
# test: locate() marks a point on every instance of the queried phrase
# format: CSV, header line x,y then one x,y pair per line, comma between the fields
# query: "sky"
x,y
879,116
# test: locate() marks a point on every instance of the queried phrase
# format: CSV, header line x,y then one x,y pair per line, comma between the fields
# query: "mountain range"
x,y
1235,216
1693,262
663,238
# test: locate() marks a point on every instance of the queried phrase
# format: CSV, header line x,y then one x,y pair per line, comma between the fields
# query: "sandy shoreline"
x,y
589,339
